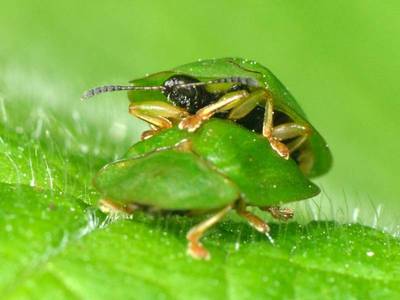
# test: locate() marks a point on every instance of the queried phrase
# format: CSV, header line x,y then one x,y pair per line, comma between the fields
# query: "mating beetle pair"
x,y
239,158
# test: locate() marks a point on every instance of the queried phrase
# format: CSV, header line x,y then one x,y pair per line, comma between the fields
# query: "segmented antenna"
x,y
115,88
234,79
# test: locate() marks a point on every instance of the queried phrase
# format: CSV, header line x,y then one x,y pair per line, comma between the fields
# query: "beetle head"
x,y
180,90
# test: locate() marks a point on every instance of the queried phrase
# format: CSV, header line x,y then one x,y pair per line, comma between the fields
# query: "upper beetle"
x,y
233,88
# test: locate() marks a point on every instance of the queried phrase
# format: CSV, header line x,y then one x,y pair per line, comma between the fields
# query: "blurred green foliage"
x,y
339,59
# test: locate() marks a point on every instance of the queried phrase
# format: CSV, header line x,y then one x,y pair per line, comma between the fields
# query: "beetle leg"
x,y
279,212
195,247
227,102
256,222
247,106
278,146
292,130
244,108
254,99
158,113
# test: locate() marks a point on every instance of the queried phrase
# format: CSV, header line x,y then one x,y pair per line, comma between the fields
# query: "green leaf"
x,y
52,247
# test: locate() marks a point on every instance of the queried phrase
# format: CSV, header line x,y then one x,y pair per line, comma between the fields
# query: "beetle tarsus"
x,y
280,213
279,148
191,123
197,250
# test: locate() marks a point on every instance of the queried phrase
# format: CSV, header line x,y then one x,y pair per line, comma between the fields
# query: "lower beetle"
x,y
232,88
218,168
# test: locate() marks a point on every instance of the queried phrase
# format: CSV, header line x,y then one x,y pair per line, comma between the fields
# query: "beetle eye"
x,y
188,97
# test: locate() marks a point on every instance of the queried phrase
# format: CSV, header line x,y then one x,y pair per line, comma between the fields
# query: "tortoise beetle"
x,y
218,168
232,88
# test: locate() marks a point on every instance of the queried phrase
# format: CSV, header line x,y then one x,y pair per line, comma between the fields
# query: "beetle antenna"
x,y
115,88
234,79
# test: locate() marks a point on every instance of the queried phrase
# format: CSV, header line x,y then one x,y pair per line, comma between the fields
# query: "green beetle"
x,y
233,88
220,167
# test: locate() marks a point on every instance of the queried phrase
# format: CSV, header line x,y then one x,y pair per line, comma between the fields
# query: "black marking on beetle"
x,y
187,92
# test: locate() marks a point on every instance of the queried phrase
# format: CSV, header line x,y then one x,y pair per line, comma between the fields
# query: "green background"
x,y
340,59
